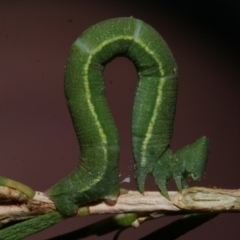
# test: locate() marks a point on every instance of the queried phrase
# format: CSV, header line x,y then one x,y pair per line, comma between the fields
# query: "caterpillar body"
x,y
96,175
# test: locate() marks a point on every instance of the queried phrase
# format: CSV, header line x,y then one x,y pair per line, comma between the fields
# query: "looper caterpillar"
x,y
96,176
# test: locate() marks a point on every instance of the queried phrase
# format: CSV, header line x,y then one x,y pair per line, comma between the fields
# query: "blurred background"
x,y
38,145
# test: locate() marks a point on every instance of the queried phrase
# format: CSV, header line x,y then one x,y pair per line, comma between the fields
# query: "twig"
x,y
15,206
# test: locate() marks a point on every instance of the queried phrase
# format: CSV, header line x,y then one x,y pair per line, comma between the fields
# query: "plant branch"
x,y
15,206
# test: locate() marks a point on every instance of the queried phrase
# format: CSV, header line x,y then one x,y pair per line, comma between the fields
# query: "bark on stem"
x,y
14,205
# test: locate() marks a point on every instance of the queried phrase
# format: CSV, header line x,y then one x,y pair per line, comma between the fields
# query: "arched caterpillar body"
x,y
96,175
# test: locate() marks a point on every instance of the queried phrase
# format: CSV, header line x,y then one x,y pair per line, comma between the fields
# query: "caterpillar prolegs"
x,y
96,175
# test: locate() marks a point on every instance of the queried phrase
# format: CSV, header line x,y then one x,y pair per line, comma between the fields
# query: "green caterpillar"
x,y
96,175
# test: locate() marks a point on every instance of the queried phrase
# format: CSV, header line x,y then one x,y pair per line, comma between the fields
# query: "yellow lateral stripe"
x,y
91,106
87,87
152,121
156,106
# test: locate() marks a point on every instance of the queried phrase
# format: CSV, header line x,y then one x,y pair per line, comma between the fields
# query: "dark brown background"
x,y
37,142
